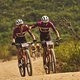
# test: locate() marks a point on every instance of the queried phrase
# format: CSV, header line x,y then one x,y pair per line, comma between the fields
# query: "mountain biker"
x,y
44,25
38,47
19,34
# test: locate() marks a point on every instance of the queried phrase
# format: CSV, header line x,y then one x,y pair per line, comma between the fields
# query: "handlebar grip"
x,y
13,43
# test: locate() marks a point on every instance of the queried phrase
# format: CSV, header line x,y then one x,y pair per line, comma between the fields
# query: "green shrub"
x,y
4,53
68,54
7,52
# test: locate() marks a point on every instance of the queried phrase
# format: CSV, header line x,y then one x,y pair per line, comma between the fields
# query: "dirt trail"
x,y
9,71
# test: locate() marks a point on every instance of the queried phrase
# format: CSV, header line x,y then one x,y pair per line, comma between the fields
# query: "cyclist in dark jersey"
x,y
19,34
44,25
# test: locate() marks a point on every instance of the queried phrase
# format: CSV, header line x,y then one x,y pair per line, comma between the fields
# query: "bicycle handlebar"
x,y
22,43
56,42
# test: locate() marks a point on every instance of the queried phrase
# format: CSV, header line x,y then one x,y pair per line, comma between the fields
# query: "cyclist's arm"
x,y
33,26
57,33
31,34
27,28
55,30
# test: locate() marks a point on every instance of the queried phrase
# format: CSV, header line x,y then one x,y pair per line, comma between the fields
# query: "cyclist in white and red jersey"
x,y
19,34
44,26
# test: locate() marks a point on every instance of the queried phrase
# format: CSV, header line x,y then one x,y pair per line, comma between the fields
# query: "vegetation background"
x,y
65,15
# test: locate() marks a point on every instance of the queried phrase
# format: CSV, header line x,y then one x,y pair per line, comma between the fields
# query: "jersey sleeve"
x,y
34,25
52,26
26,28
37,24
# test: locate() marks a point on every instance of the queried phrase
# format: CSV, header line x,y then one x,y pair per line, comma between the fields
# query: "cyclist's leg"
x,y
19,54
44,55
44,52
47,38
42,44
24,55
43,38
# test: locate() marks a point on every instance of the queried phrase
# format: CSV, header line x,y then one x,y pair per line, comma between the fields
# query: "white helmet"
x,y
45,19
19,21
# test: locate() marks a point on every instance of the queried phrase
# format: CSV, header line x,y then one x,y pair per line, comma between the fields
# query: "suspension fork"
x,y
19,55
24,57
48,54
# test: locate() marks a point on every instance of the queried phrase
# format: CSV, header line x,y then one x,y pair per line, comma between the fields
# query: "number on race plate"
x,y
25,44
49,43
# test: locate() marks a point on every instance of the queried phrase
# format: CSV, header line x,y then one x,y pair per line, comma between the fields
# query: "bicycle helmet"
x,y
45,19
19,21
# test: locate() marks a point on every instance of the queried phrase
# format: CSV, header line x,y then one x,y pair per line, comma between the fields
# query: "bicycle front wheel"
x,y
53,61
22,67
46,59
29,64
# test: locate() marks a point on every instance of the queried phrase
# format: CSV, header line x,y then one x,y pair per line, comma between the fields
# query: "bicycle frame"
x,y
49,56
49,46
25,60
24,47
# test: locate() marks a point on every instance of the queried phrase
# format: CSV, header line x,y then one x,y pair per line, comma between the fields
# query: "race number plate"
x,y
25,44
49,43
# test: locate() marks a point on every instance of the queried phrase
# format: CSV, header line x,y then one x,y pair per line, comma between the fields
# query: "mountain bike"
x,y
33,50
38,50
49,59
25,61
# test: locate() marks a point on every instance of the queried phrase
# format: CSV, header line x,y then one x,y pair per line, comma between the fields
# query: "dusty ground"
x,y
9,71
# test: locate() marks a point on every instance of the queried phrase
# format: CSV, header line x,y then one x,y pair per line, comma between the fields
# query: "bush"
x,y
68,54
7,52
4,53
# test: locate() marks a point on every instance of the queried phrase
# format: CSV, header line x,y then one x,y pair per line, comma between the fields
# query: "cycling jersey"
x,y
44,29
19,34
20,31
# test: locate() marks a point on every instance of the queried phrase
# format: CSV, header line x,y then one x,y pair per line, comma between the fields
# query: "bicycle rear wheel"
x,y
28,65
22,68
